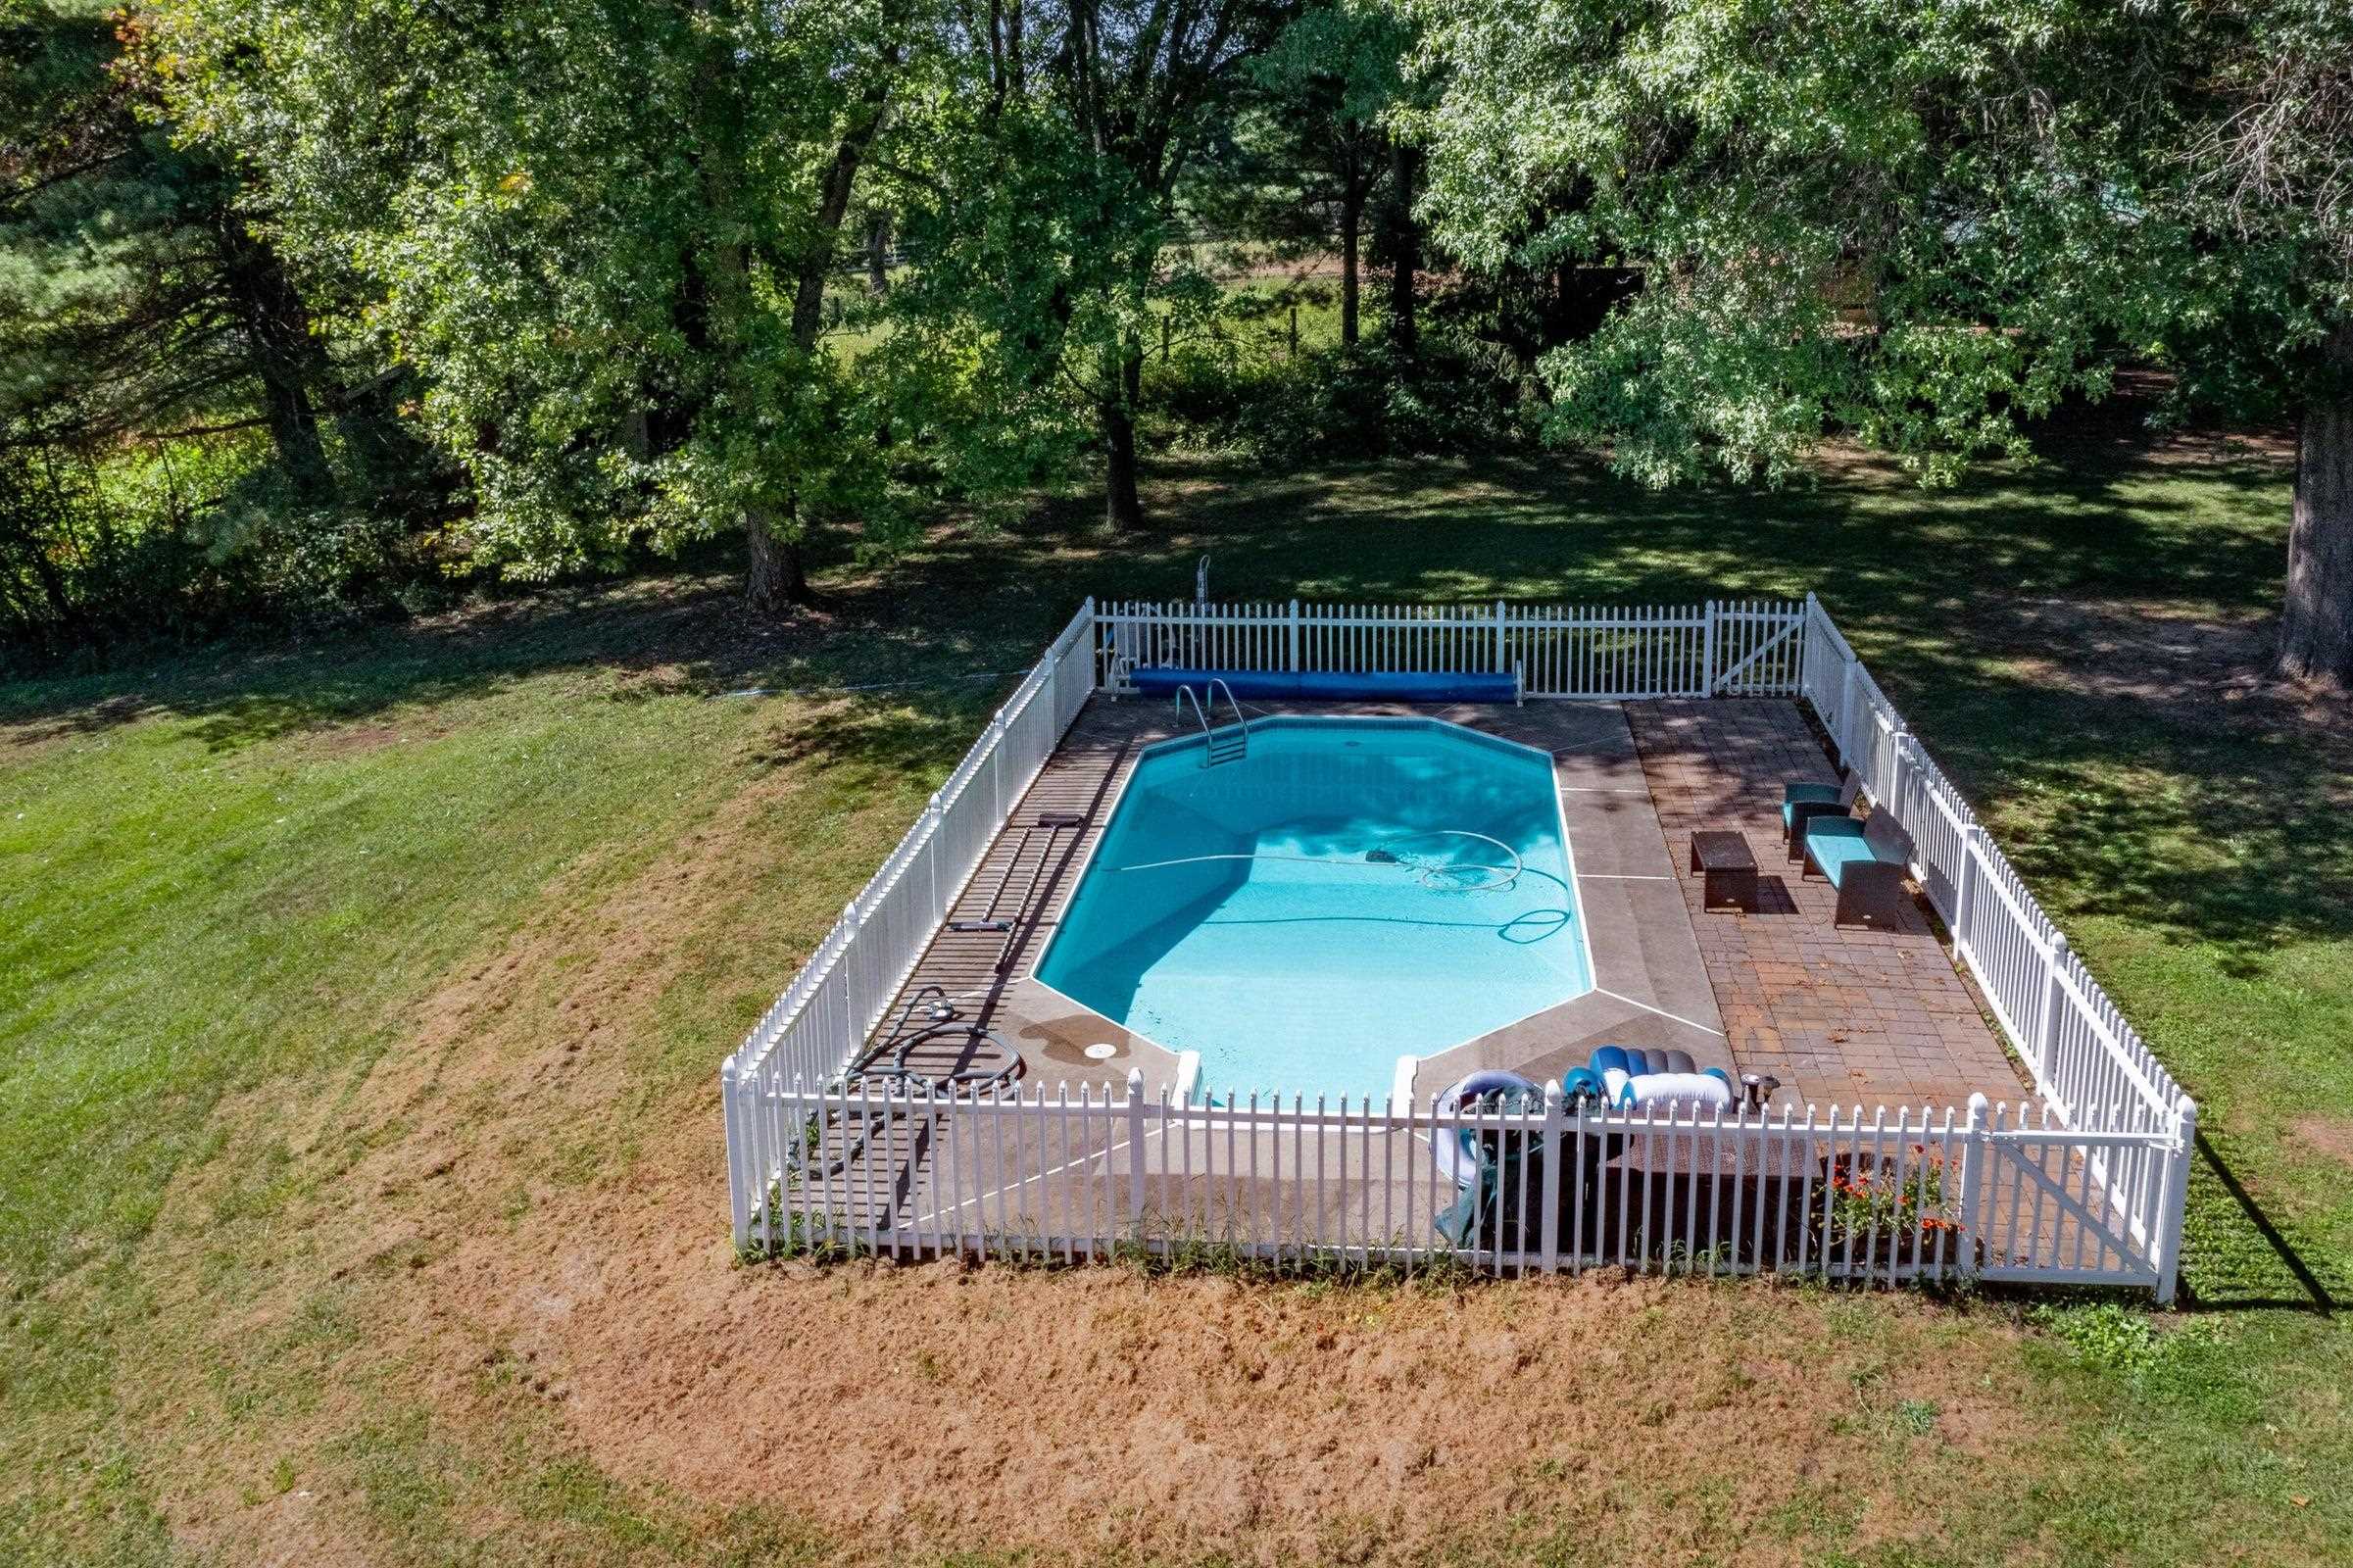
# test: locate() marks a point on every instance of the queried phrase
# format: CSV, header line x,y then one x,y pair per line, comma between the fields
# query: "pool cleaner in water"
x,y
1437,874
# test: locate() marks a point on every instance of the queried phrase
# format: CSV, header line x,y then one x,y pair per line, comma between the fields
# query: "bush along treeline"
x,y
327,307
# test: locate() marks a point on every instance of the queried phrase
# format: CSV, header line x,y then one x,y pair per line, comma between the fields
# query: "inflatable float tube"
x,y
1457,1157
1614,1075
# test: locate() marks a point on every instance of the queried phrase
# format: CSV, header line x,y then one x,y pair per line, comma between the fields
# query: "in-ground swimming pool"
x,y
1350,891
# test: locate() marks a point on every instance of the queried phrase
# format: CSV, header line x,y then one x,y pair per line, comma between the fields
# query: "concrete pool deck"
x,y
1841,1017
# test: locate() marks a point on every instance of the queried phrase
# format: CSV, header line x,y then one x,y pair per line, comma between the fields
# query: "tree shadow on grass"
x,y
1899,566
2234,829
685,635
878,732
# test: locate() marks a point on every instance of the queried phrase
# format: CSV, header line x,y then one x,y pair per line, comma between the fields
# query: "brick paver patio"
x,y
1842,1016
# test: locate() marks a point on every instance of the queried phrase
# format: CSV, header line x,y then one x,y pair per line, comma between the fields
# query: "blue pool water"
x,y
1272,945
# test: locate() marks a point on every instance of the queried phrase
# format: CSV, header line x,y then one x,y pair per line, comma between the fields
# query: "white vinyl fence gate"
x,y
2083,1186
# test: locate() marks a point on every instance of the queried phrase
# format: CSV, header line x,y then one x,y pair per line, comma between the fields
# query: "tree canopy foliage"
x,y
1921,225
357,296
601,233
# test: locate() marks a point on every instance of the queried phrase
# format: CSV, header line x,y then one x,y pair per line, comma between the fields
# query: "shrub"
x,y
1457,395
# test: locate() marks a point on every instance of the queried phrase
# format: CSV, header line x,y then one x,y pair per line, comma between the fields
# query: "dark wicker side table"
x,y
1728,870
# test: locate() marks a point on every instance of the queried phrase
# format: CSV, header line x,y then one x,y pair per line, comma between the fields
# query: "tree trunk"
x,y
833,205
778,570
878,255
1122,507
286,359
776,574
294,427
1404,246
1351,243
52,585
2316,628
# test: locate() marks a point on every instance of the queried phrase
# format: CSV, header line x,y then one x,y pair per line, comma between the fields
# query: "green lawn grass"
x,y
230,881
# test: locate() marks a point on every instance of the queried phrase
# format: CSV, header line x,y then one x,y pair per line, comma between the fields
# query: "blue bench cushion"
x,y
1839,842
1791,795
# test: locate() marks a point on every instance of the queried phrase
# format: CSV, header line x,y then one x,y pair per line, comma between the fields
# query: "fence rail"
x,y
1874,1197
1748,649
2086,1186
2092,1070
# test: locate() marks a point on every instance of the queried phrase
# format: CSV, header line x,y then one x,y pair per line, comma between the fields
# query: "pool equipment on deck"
x,y
1494,1089
1054,822
1498,1169
928,1016
940,1021
1624,1078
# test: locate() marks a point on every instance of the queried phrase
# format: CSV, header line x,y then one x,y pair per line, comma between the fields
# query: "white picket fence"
x,y
1747,648
1878,1199
2092,1070
808,1035
2084,1187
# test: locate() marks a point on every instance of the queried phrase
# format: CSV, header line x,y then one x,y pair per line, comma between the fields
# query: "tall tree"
x,y
602,234
1045,216
147,317
1328,81
134,291
2024,196
2267,161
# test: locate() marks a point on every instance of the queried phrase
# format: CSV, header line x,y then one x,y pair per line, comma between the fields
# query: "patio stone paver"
x,y
1840,1015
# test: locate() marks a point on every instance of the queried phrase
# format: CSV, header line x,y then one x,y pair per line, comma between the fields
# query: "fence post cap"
x,y
1135,1080
2058,943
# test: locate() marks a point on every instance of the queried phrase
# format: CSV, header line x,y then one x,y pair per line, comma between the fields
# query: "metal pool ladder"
x,y
1230,743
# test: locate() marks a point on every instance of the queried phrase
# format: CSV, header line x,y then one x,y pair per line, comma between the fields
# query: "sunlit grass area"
x,y
241,890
